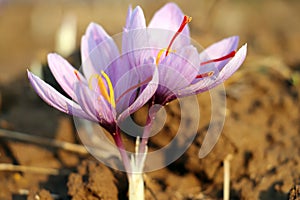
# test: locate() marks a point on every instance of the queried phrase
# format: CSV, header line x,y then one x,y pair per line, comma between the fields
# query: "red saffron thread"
x,y
185,21
230,55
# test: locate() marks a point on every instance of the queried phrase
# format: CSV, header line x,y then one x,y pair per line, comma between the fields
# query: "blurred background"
x,y
262,127
29,28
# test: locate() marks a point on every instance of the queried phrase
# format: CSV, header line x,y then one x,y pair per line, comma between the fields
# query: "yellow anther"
x,y
160,54
101,86
111,89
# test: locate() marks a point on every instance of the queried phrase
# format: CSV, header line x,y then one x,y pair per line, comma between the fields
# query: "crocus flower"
x,y
182,70
100,92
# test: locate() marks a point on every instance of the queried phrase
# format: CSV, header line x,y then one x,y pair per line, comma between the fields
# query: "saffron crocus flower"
x,y
182,70
95,94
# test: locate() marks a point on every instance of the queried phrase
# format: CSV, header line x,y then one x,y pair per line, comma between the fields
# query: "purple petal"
x,y
64,74
128,18
135,37
136,47
135,19
195,88
88,69
125,89
231,66
132,82
170,17
55,99
178,70
208,83
94,104
145,95
117,69
220,49
98,50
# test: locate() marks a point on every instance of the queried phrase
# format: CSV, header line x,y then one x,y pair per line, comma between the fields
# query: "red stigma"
x,y
230,55
134,87
76,74
185,21
208,74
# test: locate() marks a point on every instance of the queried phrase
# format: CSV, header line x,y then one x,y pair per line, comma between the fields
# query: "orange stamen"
x,y
230,55
185,21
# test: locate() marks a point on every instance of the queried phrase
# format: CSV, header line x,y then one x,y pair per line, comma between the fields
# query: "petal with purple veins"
x,y
128,18
231,66
126,89
88,69
131,83
135,38
94,104
138,52
169,17
143,97
64,74
117,69
98,50
209,82
220,49
135,19
178,70
55,99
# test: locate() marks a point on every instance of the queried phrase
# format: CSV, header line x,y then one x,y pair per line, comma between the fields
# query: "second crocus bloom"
x,y
183,71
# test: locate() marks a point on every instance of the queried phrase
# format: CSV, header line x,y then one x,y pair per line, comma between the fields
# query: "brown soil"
x,y
261,130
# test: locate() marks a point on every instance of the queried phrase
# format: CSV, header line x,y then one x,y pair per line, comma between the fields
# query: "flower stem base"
x,y
136,186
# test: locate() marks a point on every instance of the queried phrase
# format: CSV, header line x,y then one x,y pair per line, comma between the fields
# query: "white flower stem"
x,y
136,186
136,179
226,187
134,168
